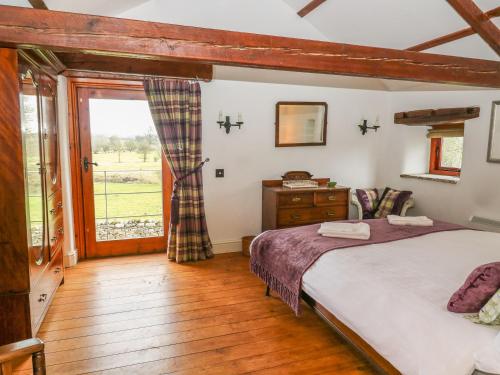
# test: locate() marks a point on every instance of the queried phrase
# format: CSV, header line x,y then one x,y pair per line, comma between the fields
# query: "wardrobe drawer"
x,y
330,198
56,224
295,199
42,293
55,205
304,216
56,233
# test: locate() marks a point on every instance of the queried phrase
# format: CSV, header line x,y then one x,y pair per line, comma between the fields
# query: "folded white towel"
x,y
343,227
345,230
353,236
417,221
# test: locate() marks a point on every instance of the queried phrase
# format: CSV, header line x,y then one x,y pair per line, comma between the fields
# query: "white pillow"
x,y
488,358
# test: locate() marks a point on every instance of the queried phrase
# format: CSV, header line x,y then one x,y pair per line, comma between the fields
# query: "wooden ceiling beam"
x,y
478,21
70,32
38,4
452,36
127,65
310,7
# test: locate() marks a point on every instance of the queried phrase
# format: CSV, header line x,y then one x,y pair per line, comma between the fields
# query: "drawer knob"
x,y
42,298
331,198
296,199
331,213
295,216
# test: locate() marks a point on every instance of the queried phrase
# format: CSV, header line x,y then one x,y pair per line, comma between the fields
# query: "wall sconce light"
x,y
364,126
227,124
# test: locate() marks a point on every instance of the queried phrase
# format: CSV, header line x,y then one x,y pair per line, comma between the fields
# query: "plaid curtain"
x,y
176,109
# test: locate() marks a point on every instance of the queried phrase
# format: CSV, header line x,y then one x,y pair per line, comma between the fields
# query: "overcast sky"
x,y
123,118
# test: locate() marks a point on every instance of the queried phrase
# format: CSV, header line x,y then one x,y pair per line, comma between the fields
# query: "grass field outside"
x,y
128,196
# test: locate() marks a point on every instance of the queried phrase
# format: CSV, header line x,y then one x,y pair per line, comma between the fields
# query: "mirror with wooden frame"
x,y
301,124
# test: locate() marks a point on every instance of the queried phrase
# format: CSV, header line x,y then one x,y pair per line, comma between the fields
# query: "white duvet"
x,y
394,296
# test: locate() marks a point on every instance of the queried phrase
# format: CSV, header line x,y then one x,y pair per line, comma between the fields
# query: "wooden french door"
x,y
125,181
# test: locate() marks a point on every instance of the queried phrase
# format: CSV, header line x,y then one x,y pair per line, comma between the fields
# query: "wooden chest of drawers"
x,y
283,207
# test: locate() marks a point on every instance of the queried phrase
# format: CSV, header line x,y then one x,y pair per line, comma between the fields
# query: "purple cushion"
x,y
404,195
480,285
368,198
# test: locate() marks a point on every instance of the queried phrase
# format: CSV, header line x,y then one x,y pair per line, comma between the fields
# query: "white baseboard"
x,y
227,247
70,258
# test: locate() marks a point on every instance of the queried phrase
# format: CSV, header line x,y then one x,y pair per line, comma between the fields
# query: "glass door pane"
x,y
127,180
32,168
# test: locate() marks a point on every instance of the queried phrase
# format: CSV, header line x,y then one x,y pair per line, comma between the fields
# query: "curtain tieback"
x,y
174,206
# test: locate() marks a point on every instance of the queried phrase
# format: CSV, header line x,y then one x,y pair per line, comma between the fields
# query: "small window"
x,y
446,155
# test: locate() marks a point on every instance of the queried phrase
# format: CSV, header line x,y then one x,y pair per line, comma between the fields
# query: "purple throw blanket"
x,y
281,257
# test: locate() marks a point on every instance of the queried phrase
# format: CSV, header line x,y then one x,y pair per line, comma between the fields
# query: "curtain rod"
x,y
129,76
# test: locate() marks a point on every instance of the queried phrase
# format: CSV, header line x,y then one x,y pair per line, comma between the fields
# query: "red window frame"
x,y
435,166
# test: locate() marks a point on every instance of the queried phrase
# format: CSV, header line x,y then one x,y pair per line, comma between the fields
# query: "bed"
x,y
390,300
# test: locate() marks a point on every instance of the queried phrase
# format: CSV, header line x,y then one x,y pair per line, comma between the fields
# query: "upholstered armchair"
x,y
354,200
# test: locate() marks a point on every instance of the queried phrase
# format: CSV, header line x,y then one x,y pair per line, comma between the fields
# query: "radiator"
x,y
485,221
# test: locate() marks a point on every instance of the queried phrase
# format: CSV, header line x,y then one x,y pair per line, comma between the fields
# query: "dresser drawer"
x,y
330,198
304,216
295,199
332,213
42,293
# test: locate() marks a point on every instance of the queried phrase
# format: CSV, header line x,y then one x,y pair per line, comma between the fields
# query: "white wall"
x,y
406,151
248,155
233,203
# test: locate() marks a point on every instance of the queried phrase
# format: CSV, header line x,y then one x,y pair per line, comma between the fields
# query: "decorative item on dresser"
x,y
31,224
284,207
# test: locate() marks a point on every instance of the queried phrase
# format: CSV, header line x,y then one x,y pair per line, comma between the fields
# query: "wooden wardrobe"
x,y
31,210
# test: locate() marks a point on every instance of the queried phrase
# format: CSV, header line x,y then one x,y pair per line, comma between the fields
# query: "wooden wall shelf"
x,y
429,117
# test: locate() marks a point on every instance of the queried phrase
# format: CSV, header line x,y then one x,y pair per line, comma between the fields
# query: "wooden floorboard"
x,y
147,315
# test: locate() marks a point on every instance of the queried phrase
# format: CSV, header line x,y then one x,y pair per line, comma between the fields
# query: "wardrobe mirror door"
x,y
49,123
33,168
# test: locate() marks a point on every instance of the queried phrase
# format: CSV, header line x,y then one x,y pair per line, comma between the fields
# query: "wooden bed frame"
x,y
381,364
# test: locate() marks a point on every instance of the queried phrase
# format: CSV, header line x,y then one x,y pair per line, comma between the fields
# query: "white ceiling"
x,y
397,24
97,7
16,3
232,73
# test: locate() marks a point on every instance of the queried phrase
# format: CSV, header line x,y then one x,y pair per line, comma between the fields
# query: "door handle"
x,y
86,163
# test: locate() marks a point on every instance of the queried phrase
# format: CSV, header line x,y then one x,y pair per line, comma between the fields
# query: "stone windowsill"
x,y
432,177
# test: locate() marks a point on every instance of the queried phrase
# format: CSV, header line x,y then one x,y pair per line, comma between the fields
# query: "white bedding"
x,y
394,296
